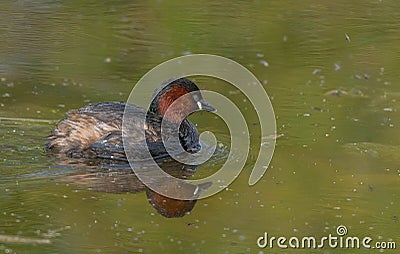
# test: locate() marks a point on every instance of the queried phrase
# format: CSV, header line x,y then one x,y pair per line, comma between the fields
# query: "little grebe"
x,y
95,131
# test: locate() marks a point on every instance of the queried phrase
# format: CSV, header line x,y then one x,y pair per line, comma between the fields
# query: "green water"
x,y
337,163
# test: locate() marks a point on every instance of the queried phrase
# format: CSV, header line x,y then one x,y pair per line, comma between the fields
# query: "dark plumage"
x,y
95,131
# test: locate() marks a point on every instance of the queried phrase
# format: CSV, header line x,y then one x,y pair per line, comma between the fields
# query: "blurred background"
x,y
329,68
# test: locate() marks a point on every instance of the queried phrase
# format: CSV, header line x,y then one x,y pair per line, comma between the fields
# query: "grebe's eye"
x,y
195,97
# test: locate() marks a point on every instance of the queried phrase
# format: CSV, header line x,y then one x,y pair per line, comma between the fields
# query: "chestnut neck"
x,y
164,100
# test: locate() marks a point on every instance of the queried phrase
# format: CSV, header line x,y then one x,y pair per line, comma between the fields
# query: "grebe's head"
x,y
171,91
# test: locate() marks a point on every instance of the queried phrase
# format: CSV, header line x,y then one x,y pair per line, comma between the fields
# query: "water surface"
x,y
329,67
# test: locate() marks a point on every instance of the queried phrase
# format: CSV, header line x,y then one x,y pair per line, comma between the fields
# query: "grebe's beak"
x,y
204,105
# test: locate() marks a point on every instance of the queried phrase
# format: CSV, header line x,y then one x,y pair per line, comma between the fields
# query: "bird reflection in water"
x,y
119,178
